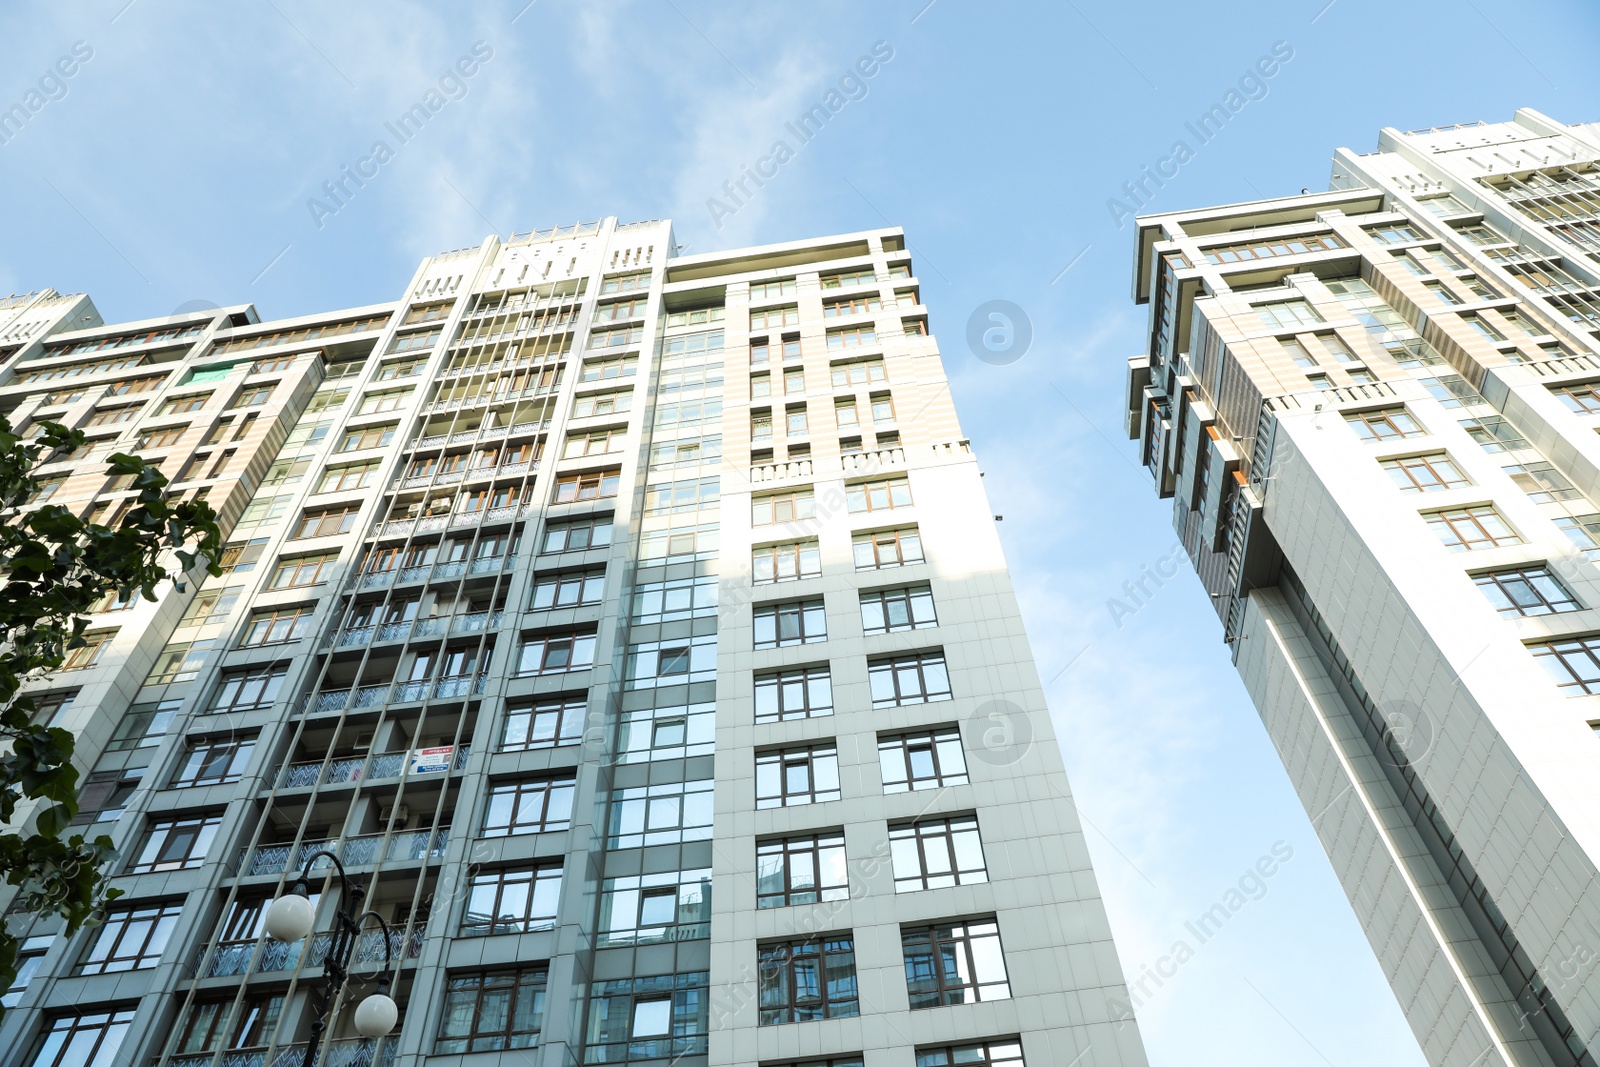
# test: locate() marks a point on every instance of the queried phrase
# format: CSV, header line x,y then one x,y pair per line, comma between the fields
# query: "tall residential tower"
x,y
634,629
1375,411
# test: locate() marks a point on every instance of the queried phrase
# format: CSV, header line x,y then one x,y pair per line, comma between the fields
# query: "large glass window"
x,y
882,495
1472,528
664,1018
799,981
913,679
556,652
1006,1052
1523,591
800,693
546,724
675,662
668,813
807,869
887,548
954,963
217,762
785,562
256,687
130,939
891,610
1425,474
807,774
929,759
87,1037
799,622
512,901
175,844
936,853
1385,424
535,806
491,1011
665,906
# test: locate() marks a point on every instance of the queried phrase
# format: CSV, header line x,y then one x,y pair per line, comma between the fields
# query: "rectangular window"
x,y
800,981
577,536
367,437
353,476
491,1011
1006,1052
105,795
87,1037
791,506
178,405
774,317
512,901
278,625
547,724
568,589
1287,314
785,562
877,549
1425,474
1441,293
246,690
891,610
556,652
612,402
772,290
668,813
684,494
50,709
882,495
167,435
621,310
1385,424
143,726
622,338
595,442
1484,328
954,963
537,806
799,622
254,396
624,283
1523,591
175,844
1494,433
795,420
387,400
652,908
851,337
326,522
673,729
1267,249
794,382
801,693
673,662
600,370
761,425
88,653
1473,528
1542,482
295,571
808,869
30,956
787,777
130,939
849,277
857,373
427,313
851,305
930,759
590,485
675,600
414,341
912,679
213,763
663,1019
936,853
1395,233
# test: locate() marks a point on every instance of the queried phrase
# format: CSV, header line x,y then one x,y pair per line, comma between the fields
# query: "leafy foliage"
x,y
56,568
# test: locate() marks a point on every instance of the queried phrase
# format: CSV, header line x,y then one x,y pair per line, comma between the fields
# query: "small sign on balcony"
x,y
432,760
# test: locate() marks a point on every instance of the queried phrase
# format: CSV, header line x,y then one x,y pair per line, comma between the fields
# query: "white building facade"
x,y
632,627
1375,410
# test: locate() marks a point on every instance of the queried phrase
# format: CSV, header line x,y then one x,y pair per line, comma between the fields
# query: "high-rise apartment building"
x,y
1375,410
634,629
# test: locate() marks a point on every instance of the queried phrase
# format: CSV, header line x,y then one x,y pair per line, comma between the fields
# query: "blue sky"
x,y
177,162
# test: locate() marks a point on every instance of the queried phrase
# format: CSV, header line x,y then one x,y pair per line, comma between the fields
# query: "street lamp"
x,y
290,919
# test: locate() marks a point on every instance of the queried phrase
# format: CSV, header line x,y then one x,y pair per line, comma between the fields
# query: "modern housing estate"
x,y
634,629
1375,410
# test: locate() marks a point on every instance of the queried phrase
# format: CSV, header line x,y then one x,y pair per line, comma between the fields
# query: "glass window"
x,y
668,813
800,693
930,759
130,939
1542,482
245,690
547,724
673,729
1385,424
577,536
87,1037
590,485
664,1018
1286,314
556,652
807,869
954,963
650,908
674,662
326,522
936,853
879,495
887,548
213,763
30,956
675,599
144,725
995,1053
512,901
279,625
800,981
798,622
105,795
1494,433
568,589
785,562
536,806
1523,591
295,571
367,437
807,774
1425,474
490,1011
891,610
789,506
912,679
1468,529
175,844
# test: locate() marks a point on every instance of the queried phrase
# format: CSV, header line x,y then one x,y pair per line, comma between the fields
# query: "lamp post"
x,y
290,919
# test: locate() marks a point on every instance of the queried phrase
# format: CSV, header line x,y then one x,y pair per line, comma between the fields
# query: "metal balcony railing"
x,y
356,851
490,433
371,696
375,767
347,1052
433,626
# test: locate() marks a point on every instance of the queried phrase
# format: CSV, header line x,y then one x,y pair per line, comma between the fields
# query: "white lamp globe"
x,y
290,917
376,1015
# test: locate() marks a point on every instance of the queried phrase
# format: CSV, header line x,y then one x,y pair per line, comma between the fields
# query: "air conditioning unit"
x,y
400,813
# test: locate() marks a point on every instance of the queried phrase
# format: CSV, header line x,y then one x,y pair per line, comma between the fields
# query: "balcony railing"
x,y
482,400
361,850
430,523
348,1052
779,472
371,696
434,626
489,433
440,478
376,767
878,459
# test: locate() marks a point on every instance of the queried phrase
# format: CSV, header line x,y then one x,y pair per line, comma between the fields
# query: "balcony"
x,y
452,520
868,462
234,958
436,626
483,400
442,572
357,851
349,1052
489,433
372,696
441,478
780,472
370,768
